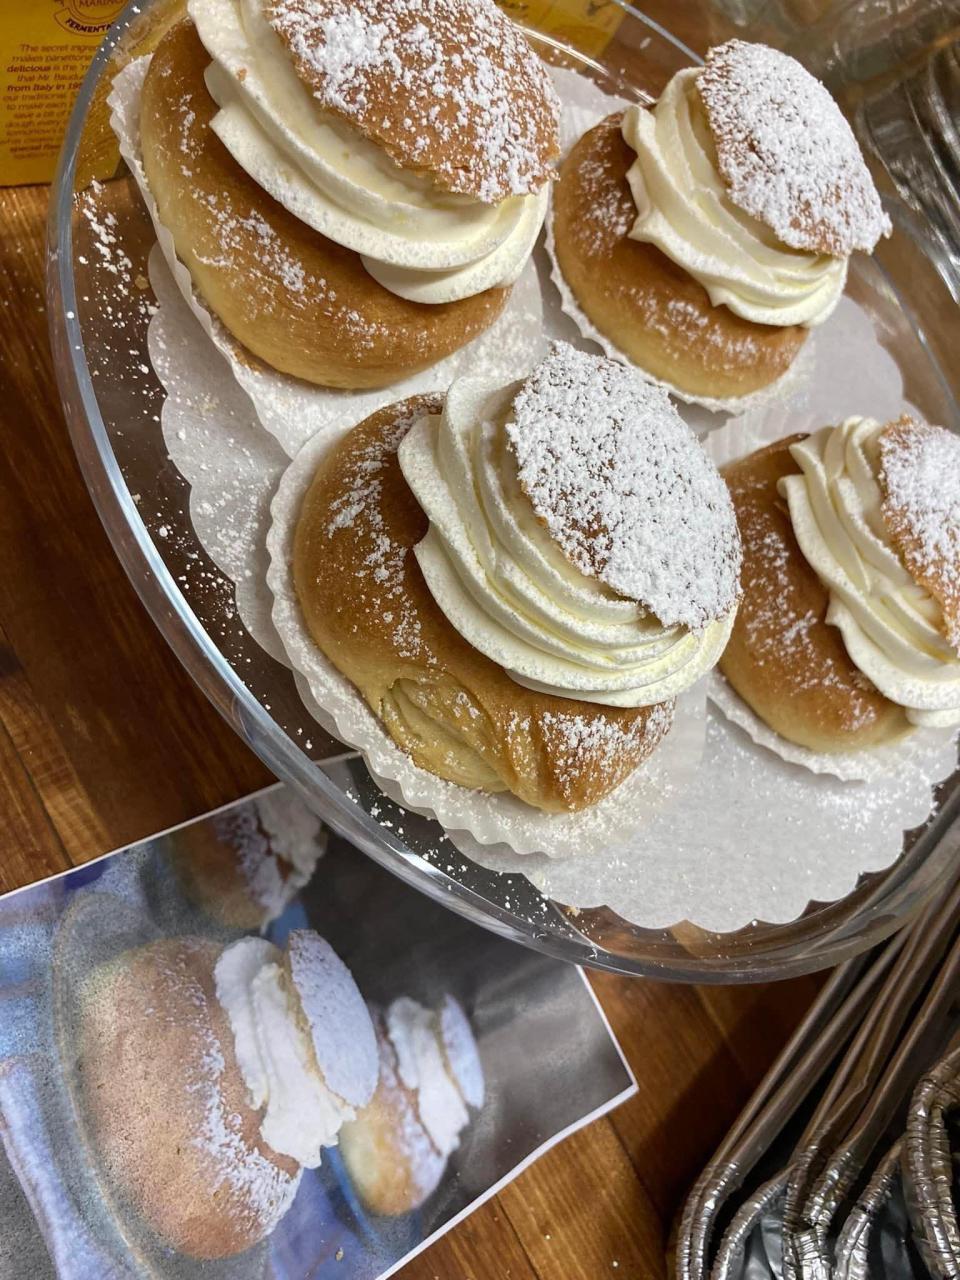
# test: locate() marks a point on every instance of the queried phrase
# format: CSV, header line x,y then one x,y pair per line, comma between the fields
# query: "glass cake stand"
x,y
99,239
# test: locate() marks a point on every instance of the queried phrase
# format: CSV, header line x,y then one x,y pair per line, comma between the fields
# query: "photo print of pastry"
x,y
240,1049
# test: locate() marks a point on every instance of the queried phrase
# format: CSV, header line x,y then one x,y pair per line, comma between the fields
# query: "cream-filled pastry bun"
x,y
848,633
705,235
518,612
211,1078
431,1079
246,865
353,187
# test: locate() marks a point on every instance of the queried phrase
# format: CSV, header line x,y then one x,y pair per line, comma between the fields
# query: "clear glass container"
x,y
111,397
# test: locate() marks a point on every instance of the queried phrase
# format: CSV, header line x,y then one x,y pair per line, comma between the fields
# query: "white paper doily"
x,y
215,440
754,838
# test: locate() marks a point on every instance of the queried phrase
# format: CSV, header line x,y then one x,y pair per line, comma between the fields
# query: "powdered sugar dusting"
x,y
449,87
277,842
261,1192
787,153
624,487
359,506
776,627
920,477
426,1162
340,1027
257,1191
609,744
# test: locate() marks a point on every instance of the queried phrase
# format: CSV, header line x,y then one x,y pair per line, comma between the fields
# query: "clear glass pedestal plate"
x,y
100,236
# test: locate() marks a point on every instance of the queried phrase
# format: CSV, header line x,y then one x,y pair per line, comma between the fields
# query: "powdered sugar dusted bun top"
x,y
295,833
786,152
340,1026
275,843
920,478
624,487
417,133
446,87
579,537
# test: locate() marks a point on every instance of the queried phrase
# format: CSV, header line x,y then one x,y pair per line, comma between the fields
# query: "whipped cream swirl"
x,y
683,208
301,1115
416,240
891,626
508,588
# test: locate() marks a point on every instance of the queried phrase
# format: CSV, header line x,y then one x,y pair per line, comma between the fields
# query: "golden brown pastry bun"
x,y
647,306
166,1105
783,658
388,1154
295,299
456,713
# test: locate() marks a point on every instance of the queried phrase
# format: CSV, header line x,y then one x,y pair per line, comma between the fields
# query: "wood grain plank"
x,y
145,747
581,1212
71,810
694,1080
484,1247
29,848
756,1021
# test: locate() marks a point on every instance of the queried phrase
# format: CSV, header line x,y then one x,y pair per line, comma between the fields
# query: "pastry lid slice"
x,y
448,88
920,480
624,487
336,1015
786,152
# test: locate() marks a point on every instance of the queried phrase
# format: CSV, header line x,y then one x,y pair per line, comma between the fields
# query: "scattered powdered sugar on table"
x,y
624,487
786,152
920,477
449,87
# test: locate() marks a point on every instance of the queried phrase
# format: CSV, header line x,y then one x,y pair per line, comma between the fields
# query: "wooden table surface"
x,y
104,739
